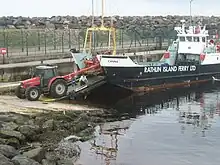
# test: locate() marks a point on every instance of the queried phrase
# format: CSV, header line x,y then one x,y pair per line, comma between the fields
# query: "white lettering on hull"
x,y
165,69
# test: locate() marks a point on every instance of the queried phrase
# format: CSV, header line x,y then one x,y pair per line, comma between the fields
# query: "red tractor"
x,y
46,80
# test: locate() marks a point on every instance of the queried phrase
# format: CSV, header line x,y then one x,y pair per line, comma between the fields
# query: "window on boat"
x,y
203,39
196,39
182,38
189,39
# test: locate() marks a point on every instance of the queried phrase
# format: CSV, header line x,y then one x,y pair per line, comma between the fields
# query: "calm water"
x,y
159,134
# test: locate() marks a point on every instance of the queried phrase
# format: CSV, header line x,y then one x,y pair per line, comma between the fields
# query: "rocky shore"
x,y
48,138
156,24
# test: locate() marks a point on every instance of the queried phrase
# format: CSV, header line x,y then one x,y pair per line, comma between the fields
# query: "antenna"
x,y
102,12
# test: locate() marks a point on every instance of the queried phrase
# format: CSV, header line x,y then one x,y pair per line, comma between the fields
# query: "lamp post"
x,y
190,12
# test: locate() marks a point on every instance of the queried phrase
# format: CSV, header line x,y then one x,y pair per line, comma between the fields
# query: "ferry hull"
x,y
141,79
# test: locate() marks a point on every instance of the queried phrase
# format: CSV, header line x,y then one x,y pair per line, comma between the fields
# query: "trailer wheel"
x,y
32,93
58,88
19,92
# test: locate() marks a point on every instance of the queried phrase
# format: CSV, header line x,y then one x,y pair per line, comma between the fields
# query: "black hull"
x,y
136,79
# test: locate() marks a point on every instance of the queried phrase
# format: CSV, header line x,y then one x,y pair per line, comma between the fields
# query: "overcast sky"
x,y
113,7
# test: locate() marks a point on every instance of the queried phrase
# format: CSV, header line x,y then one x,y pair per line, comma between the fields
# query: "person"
x,y
83,80
74,82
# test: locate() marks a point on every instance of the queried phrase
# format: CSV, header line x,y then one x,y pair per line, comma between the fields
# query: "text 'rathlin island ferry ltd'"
x,y
191,58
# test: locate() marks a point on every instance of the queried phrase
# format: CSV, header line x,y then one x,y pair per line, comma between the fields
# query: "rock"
x,y
23,160
19,119
80,126
65,162
36,154
29,130
36,144
13,142
6,118
73,138
97,120
67,151
146,26
9,126
86,132
30,122
4,160
11,134
51,156
8,151
47,162
48,125
83,117
3,141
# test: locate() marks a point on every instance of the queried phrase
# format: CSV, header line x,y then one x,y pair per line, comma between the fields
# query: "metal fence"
x,y
23,42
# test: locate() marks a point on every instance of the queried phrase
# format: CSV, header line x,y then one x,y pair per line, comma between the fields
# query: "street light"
x,y
190,12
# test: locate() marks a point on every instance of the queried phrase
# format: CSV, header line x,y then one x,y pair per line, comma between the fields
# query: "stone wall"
x,y
153,25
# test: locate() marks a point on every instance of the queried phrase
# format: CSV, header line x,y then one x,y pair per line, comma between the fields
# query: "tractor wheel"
x,y
58,88
32,93
19,92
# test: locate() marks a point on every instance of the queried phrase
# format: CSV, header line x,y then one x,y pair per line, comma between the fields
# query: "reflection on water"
x,y
175,128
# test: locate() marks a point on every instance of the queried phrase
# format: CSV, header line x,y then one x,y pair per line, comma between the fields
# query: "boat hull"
x,y
160,77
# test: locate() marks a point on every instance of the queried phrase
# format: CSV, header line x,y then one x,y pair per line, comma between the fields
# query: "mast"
x,y
92,13
190,6
109,35
93,33
102,13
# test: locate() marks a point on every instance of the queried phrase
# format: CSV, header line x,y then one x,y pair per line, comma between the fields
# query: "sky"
x,y
50,8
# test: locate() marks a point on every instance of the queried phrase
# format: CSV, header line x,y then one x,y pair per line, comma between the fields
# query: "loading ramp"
x,y
75,89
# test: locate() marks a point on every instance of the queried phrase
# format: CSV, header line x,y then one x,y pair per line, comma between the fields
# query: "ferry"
x,y
190,59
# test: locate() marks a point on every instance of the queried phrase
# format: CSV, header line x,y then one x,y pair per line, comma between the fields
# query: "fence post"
x,y
122,38
69,39
107,39
160,42
147,42
135,38
22,40
45,42
143,34
79,44
26,38
54,40
5,35
97,39
62,41
38,39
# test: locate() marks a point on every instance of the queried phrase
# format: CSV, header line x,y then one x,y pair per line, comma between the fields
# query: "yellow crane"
x,y
90,31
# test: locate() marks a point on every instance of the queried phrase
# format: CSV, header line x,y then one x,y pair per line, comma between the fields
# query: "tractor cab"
x,y
45,72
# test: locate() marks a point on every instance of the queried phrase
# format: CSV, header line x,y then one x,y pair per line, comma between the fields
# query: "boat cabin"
x,y
191,44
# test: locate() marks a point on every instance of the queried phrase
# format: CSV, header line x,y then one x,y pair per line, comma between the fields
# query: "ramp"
x,y
76,89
